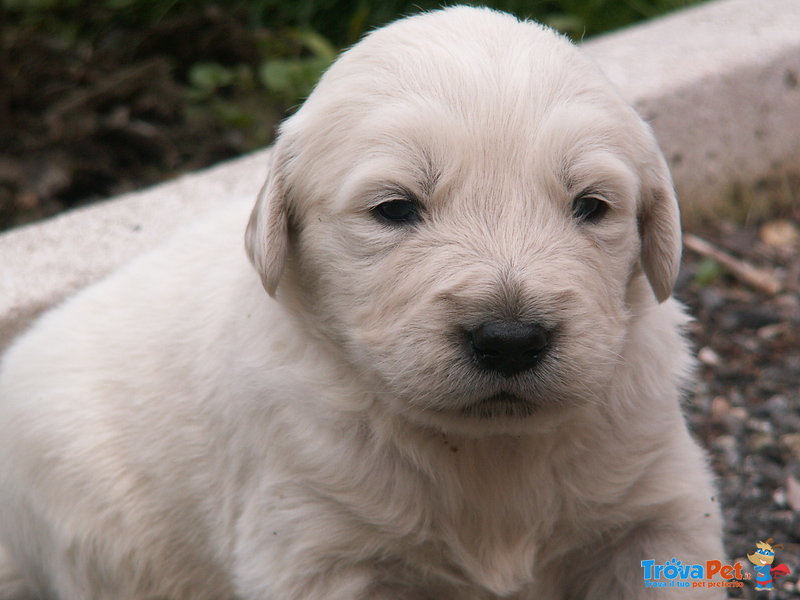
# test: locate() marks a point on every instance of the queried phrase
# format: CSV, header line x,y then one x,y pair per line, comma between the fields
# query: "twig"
x,y
761,279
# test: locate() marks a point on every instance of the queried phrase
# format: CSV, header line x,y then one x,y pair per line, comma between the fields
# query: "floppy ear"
x,y
660,231
267,235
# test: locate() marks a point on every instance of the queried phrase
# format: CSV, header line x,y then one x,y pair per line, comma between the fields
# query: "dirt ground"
x,y
81,124
81,121
745,405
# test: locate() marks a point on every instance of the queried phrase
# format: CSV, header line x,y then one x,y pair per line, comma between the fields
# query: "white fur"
x,y
174,432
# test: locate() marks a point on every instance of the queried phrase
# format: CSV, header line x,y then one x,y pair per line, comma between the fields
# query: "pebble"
x,y
793,493
720,408
747,404
771,332
759,425
759,442
791,441
726,448
707,356
737,413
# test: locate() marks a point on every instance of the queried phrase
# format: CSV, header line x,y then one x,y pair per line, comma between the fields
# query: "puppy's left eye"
x,y
589,208
398,211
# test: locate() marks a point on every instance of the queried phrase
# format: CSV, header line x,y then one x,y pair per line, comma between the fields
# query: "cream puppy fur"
x,y
462,384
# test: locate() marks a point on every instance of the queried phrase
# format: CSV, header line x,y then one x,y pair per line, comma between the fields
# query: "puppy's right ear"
x,y
267,235
660,230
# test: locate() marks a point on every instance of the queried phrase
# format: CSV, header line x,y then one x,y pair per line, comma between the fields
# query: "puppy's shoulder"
x,y
145,318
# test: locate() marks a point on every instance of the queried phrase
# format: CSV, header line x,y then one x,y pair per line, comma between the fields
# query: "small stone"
x,y
770,332
793,493
759,442
788,302
777,405
737,413
791,441
780,234
707,356
720,408
757,426
726,448
734,420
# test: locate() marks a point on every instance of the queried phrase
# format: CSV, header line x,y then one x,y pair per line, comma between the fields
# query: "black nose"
x,y
508,347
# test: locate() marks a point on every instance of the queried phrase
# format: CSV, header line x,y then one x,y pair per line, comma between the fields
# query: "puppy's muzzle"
x,y
508,347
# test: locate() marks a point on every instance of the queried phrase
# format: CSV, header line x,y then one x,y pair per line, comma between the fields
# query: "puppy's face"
x,y
468,211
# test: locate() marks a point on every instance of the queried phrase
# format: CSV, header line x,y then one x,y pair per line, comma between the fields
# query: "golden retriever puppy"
x,y
462,382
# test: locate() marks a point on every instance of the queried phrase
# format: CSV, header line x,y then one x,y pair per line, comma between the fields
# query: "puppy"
x,y
462,382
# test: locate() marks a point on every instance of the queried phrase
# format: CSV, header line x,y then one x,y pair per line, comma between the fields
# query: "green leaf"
x,y
209,77
708,271
292,79
276,75
232,115
319,46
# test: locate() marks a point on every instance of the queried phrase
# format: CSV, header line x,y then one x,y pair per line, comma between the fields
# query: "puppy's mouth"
x,y
501,404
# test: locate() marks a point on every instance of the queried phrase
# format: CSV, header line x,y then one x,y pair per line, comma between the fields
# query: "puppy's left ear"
x,y
660,230
267,235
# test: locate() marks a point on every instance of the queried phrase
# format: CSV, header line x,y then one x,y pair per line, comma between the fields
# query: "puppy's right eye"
x,y
589,208
398,211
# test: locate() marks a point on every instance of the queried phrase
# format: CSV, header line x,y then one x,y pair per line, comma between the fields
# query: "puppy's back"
x,y
104,432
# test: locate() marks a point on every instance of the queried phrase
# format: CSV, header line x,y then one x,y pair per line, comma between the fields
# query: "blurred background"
x,y
99,97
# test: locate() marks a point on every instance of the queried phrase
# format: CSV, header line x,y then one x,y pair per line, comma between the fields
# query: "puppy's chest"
x,y
496,553
484,532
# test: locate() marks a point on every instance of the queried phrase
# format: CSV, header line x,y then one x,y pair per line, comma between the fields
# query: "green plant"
x,y
293,78
708,271
287,43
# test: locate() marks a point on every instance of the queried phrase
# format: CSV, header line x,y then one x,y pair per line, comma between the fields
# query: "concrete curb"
x,y
720,84
43,263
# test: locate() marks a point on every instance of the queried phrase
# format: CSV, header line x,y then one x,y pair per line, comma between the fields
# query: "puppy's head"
x,y
469,212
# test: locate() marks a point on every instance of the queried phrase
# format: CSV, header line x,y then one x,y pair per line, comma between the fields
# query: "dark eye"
x,y
589,208
398,211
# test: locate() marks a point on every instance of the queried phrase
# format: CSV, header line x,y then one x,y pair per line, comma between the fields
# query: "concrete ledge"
x,y
41,264
720,84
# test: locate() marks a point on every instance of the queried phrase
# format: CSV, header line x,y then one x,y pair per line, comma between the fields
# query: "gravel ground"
x,y
745,404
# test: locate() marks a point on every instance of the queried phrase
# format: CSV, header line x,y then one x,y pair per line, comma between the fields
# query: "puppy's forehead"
x,y
454,86
470,59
